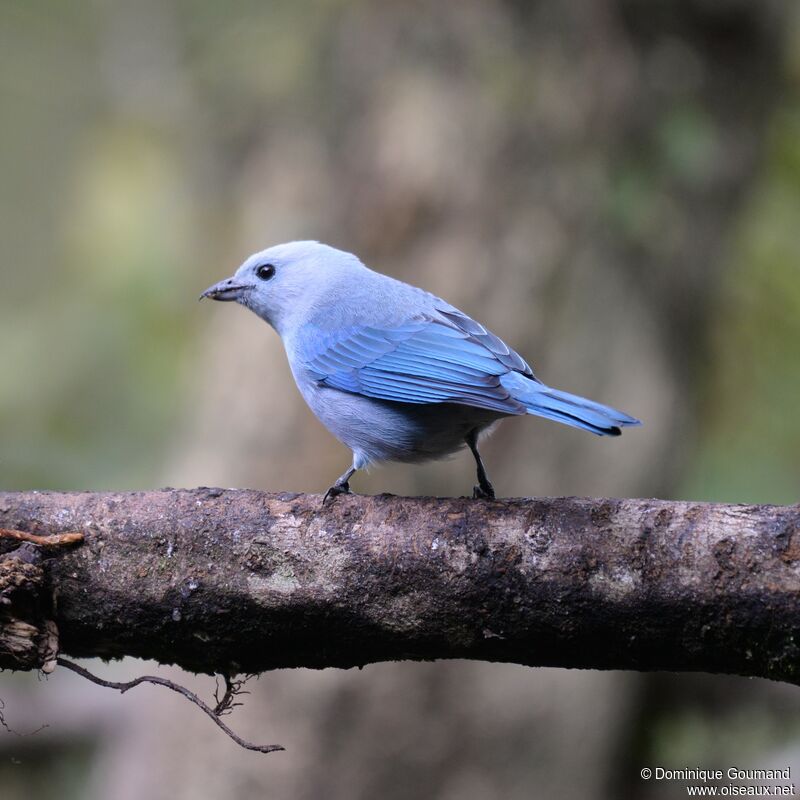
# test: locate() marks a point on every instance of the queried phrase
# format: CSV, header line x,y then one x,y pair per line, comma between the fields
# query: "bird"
x,y
393,371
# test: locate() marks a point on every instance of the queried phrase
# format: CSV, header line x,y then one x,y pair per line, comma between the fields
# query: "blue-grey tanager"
x,y
394,372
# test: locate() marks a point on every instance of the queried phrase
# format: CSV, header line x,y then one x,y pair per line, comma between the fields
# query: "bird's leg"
x,y
342,485
484,490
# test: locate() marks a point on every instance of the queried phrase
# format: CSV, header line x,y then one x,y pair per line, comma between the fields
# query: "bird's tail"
x,y
569,408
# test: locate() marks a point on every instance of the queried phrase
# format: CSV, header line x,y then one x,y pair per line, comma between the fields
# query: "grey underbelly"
x,y
381,430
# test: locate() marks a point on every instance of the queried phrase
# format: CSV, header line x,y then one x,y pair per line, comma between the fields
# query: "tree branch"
x,y
241,581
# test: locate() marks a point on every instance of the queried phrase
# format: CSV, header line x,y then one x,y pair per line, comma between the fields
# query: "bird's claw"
x,y
335,491
483,492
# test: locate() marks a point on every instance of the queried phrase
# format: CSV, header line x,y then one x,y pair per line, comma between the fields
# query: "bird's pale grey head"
x,y
279,282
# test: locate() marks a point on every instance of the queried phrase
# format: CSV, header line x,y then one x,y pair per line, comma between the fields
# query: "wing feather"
x,y
441,358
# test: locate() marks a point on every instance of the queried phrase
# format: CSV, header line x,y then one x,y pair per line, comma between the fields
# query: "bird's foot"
x,y
335,491
483,492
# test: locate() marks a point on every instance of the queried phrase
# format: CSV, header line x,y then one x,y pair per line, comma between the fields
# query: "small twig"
x,y
233,688
53,540
191,696
9,729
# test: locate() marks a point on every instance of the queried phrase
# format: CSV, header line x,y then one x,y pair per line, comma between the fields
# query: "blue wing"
x,y
447,358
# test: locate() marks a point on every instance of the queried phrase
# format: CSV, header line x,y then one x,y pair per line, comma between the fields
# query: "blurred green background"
x,y
613,186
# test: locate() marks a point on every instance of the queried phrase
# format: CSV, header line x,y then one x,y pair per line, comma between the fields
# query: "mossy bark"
x,y
242,581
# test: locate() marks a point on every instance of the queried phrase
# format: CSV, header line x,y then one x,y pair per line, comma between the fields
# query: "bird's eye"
x,y
265,271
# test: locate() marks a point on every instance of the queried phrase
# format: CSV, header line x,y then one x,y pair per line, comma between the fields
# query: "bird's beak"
x,y
226,290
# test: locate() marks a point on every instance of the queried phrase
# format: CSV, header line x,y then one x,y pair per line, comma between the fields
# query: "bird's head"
x,y
280,282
